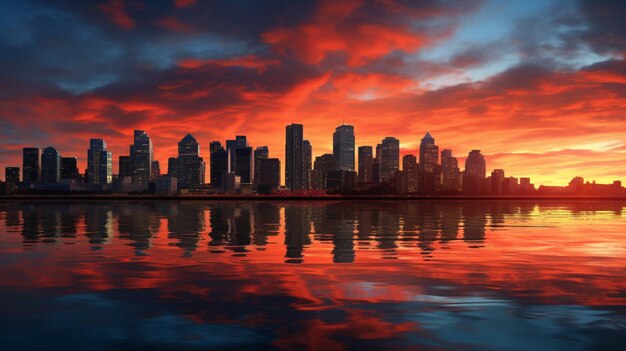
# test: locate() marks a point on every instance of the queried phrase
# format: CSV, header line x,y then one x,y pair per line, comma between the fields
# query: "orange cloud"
x,y
116,11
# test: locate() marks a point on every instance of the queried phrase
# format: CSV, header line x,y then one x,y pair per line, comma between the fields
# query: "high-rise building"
x,y
389,158
366,164
219,163
12,175
69,168
141,155
155,172
410,171
31,165
269,175
172,166
231,145
376,163
497,182
125,167
294,151
322,165
474,173
99,162
343,147
190,164
50,165
307,160
450,171
428,164
260,153
244,164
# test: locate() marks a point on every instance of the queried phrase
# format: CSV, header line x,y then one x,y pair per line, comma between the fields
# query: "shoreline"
x,y
300,198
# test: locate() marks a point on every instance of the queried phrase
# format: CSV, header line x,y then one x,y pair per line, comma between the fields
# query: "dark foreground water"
x,y
318,276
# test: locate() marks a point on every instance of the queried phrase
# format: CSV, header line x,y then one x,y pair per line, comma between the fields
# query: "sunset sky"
x,y
538,86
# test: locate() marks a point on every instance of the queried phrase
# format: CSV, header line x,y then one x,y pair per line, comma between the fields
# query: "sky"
x,y
538,85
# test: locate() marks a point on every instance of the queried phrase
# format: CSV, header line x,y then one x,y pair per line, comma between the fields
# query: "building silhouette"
x,y
244,164
450,173
50,165
497,182
31,166
343,147
389,158
190,165
219,163
155,172
260,153
141,155
69,168
428,165
376,177
307,159
294,152
322,165
99,162
366,164
410,170
474,174
125,168
172,166
12,175
269,175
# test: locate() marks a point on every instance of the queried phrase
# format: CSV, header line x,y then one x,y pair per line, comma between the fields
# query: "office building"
x,y
219,163
307,160
343,147
322,165
190,165
172,166
389,158
474,174
428,165
31,166
50,166
294,152
141,155
366,164
12,175
125,167
69,168
99,162
450,173
269,175
410,172
260,153
244,164
497,182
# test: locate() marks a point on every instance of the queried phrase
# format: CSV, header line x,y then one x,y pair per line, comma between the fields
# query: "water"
x,y
320,276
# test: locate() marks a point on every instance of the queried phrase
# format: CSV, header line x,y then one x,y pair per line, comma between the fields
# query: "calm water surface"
x,y
318,276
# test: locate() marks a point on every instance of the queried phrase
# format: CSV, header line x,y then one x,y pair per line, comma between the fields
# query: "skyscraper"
x,y
307,159
155,173
343,147
99,162
376,163
294,179
428,164
141,155
497,182
50,165
475,173
389,158
69,168
31,166
269,175
450,171
410,170
322,165
190,164
12,175
172,167
219,163
260,153
244,164
125,167
366,164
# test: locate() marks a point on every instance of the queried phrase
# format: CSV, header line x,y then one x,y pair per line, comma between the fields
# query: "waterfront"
x,y
512,275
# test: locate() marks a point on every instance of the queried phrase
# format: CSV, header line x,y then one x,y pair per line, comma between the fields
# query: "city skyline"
x,y
427,171
538,86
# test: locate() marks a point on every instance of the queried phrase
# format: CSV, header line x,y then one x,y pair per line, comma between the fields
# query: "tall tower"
x,y
99,162
219,163
50,165
343,147
307,160
428,164
293,155
190,165
366,163
141,155
389,158
31,166
475,173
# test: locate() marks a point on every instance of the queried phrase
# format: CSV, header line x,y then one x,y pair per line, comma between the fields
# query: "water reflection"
x,y
334,275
